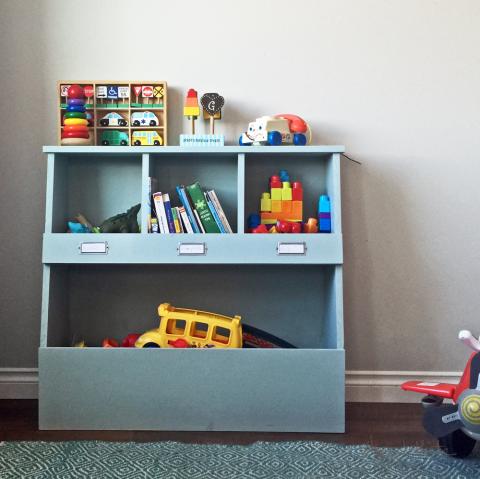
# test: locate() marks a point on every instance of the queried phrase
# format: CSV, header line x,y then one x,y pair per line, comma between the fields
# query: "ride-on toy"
x,y
457,425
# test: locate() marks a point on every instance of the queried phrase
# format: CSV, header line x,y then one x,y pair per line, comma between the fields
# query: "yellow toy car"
x,y
146,138
190,328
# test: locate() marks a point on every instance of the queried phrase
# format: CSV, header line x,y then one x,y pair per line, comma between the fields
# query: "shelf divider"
x,y
145,193
241,194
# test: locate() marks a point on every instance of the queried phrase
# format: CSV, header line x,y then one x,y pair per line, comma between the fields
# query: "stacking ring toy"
x,y
75,114
75,102
76,121
75,134
76,108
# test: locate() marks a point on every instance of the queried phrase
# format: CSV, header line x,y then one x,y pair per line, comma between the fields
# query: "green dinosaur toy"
x,y
122,223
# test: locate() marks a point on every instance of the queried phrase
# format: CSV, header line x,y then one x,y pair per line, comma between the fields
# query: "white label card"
x,y
94,248
291,248
192,249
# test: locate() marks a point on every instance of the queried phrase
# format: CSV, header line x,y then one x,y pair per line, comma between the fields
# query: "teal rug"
x,y
98,460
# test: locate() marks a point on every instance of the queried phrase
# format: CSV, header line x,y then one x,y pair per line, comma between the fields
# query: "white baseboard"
x,y
384,386
18,383
361,386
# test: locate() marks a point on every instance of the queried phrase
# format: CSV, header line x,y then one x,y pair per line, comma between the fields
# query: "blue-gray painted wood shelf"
x,y
115,291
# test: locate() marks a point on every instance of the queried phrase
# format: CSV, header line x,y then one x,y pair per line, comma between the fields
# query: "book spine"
x,y
175,220
221,213
215,215
184,200
199,203
168,212
161,215
185,220
197,216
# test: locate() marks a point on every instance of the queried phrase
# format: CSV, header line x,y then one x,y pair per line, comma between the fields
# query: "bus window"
x,y
176,326
221,335
199,330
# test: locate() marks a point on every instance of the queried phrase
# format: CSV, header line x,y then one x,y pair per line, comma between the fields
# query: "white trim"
x,y
384,386
361,386
18,383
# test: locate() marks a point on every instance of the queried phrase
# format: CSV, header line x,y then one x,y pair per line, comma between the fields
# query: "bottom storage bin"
x,y
298,390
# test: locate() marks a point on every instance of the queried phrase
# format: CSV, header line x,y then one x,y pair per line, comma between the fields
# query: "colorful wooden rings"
x,y
75,121
75,114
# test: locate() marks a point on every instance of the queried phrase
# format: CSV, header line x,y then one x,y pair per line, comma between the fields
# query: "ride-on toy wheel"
x,y
274,138
151,345
299,139
457,444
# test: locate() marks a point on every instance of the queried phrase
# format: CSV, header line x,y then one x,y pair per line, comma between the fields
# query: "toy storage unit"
x,y
289,285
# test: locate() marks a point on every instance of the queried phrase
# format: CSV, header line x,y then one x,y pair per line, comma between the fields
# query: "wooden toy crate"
x,y
130,104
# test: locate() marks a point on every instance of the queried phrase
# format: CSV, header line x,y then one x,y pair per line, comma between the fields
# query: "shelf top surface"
x,y
311,149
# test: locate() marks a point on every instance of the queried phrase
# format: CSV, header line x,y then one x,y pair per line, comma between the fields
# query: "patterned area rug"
x,y
98,460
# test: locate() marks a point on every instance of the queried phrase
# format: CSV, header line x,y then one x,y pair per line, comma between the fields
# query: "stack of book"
x,y
200,211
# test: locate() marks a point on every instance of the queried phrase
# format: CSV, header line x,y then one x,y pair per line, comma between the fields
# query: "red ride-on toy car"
x,y
456,425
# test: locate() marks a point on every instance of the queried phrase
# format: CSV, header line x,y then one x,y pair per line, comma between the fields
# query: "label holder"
x,y
93,247
192,249
291,249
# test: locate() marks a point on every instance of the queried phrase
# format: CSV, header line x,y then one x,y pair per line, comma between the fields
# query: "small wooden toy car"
x,y
144,118
457,425
196,329
114,138
276,130
146,138
113,119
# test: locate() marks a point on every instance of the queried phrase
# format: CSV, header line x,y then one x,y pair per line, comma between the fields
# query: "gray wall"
x,y
395,81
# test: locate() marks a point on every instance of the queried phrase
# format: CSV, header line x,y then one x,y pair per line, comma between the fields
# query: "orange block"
x,y
286,206
276,206
297,210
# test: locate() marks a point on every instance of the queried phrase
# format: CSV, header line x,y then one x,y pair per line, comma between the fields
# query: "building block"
x,y
276,206
324,215
286,191
276,193
275,182
297,210
287,206
297,191
265,202
284,176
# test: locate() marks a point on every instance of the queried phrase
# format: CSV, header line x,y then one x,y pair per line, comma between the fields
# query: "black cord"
x,y
351,159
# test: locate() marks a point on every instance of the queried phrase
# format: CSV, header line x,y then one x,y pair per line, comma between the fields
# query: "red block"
x,y
297,191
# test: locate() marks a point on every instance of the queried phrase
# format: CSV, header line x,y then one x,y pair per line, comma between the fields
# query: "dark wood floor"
x,y
367,423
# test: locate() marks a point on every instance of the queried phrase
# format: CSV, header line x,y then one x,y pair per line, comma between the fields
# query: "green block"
x,y
101,105
157,105
136,105
63,105
88,106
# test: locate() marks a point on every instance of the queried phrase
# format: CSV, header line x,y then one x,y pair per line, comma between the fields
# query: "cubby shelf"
x,y
297,297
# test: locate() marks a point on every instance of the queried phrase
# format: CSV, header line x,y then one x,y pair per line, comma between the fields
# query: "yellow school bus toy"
x,y
190,328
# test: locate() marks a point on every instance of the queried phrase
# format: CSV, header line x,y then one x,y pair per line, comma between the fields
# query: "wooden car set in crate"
x,y
112,113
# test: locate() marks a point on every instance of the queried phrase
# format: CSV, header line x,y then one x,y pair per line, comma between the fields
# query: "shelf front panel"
x,y
193,249
297,390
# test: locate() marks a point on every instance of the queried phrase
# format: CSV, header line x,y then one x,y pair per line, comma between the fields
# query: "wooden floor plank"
x,y
386,425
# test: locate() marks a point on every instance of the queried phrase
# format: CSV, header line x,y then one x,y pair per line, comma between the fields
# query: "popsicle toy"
x,y
191,108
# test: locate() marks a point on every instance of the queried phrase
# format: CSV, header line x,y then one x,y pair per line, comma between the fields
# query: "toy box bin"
x,y
258,390
98,186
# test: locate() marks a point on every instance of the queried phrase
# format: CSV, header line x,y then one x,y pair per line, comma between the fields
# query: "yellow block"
x,y
265,202
286,191
276,193
276,206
